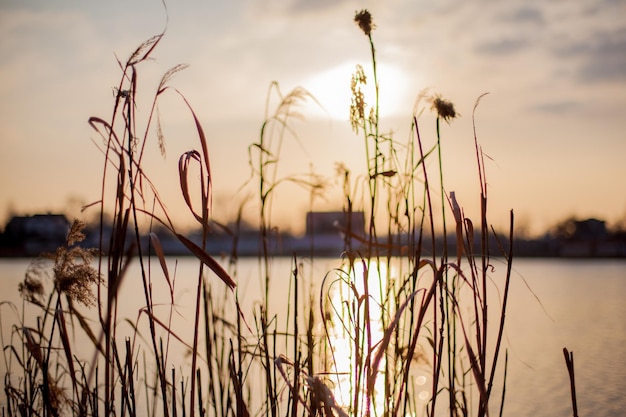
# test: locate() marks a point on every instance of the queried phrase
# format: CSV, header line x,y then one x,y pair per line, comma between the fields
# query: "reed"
x,y
398,308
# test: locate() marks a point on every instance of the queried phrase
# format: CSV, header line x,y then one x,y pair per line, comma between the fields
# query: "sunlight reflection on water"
x,y
354,319
360,282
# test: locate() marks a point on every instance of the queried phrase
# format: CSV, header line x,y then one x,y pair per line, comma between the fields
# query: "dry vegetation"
x,y
353,348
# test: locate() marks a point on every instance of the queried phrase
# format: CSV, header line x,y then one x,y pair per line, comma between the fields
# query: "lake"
x,y
554,303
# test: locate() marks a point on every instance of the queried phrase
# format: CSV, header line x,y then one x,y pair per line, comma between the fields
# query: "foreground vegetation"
x,y
376,327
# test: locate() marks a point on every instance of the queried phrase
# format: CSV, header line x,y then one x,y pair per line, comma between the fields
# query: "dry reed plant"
x,y
398,312
393,310
106,383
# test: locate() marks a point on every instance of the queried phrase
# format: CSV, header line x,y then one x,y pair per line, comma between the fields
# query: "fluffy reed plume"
x,y
357,100
31,288
363,18
74,274
444,108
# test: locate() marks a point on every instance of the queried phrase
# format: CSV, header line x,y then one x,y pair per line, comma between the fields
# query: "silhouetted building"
x,y
590,229
334,222
590,238
32,235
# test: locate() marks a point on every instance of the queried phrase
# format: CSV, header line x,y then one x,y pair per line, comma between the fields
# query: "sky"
x,y
552,126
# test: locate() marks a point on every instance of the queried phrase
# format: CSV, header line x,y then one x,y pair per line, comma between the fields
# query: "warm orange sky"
x,y
553,123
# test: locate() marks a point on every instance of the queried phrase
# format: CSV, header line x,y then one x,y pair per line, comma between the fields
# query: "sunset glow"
x,y
332,89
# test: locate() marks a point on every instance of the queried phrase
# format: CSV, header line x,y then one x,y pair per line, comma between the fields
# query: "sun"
x,y
331,88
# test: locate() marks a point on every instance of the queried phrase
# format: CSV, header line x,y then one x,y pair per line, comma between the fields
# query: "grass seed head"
x,y
31,288
444,108
357,102
364,20
73,273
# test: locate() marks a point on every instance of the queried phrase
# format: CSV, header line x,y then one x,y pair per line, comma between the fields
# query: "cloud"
x,y
603,57
599,57
503,30
293,8
588,42
525,15
44,50
502,46
314,6
556,107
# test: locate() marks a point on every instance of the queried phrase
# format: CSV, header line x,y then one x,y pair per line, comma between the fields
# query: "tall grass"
x,y
398,312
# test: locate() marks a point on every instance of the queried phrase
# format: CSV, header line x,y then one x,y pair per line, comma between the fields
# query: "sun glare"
x,y
343,343
331,88
350,323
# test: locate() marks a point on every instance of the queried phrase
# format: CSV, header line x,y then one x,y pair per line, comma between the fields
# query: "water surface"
x,y
577,304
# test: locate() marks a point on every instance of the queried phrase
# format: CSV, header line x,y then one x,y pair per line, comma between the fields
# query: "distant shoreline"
x,y
332,247
326,236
